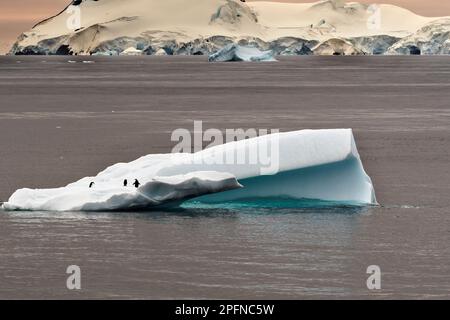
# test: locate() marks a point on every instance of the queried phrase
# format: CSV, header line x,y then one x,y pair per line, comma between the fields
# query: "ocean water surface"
x,y
60,121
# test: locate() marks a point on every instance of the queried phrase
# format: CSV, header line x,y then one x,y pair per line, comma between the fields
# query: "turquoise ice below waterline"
x,y
270,203
320,186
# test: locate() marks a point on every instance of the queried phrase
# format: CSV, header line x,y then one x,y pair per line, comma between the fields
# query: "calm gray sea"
x,y
60,121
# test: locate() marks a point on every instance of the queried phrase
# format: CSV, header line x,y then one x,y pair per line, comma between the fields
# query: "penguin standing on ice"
x,y
125,182
136,183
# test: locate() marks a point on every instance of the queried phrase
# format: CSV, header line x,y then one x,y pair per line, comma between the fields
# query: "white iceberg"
x,y
234,52
307,164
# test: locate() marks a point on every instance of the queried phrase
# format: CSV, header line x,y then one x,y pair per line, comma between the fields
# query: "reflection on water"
x,y
202,210
184,253
252,204
225,253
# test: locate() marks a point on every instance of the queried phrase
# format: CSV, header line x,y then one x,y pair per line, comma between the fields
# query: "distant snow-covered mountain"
x,y
169,27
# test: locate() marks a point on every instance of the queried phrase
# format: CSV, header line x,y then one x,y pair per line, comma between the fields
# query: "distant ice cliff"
x,y
234,52
155,27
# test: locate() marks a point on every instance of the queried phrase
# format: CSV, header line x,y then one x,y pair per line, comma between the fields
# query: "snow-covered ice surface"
x,y
308,164
107,195
433,38
234,52
160,27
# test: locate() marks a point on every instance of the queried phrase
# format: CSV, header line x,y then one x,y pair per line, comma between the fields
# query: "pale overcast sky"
x,y
19,15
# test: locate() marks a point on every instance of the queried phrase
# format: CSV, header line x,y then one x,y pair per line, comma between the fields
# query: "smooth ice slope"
x,y
307,164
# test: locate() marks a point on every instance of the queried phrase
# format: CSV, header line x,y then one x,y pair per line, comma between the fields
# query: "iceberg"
x,y
234,52
308,164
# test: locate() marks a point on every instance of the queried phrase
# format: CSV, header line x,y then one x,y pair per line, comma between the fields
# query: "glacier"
x,y
338,47
205,26
432,39
233,52
307,164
